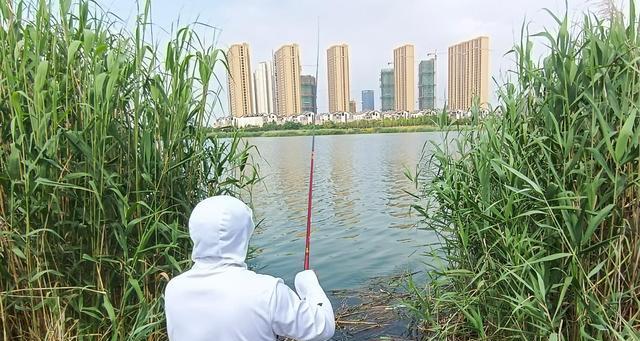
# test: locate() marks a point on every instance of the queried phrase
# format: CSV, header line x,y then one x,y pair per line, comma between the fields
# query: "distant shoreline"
x,y
341,131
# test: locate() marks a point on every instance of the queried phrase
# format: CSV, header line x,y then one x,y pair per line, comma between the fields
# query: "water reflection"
x,y
340,152
362,227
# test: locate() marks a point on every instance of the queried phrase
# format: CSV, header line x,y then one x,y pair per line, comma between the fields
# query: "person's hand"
x,y
306,276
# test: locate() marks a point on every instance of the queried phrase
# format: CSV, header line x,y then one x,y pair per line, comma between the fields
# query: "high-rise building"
x,y
387,90
338,77
427,84
367,100
263,88
352,106
468,73
403,66
287,74
239,81
308,93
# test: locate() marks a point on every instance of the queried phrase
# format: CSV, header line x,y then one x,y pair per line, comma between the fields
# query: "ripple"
x,y
362,224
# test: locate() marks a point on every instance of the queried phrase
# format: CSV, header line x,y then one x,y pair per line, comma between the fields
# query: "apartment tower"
x,y
404,75
308,93
287,73
239,81
368,102
263,89
387,90
468,73
427,84
338,77
352,107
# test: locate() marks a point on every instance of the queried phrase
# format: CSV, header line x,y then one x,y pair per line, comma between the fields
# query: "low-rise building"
x,y
359,117
376,115
249,121
273,118
223,122
341,117
306,118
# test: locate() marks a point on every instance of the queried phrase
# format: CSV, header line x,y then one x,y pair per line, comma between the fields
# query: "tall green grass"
x,y
104,150
538,209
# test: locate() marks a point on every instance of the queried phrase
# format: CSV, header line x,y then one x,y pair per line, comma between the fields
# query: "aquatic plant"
x,y
104,150
538,208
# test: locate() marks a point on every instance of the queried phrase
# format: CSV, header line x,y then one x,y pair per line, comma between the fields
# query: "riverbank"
x,y
339,131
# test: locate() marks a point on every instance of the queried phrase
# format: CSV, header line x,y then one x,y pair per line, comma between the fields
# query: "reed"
x,y
104,150
538,209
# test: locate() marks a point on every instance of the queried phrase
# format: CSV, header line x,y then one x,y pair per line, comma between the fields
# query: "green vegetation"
x,y
441,119
404,125
102,155
334,131
538,211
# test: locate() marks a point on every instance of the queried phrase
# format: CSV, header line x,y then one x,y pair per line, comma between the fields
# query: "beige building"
x,y
263,89
287,74
239,81
404,77
468,73
338,78
352,107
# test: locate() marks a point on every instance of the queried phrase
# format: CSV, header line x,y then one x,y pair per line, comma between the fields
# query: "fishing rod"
x,y
309,201
313,156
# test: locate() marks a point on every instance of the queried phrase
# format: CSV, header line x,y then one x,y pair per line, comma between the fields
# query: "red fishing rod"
x,y
308,237
307,247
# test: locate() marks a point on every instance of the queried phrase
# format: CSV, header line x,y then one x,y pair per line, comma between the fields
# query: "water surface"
x,y
362,223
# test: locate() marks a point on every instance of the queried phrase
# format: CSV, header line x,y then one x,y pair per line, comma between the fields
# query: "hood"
x,y
220,228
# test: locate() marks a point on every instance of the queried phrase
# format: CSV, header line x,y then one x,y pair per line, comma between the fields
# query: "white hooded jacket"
x,y
219,299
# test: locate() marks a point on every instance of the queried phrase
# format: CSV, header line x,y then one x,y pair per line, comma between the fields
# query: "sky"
x,y
371,28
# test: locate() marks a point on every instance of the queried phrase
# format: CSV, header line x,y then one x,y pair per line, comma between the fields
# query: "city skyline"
x,y
368,52
468,74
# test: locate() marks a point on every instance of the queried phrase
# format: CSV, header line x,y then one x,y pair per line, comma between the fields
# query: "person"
x,y
220,299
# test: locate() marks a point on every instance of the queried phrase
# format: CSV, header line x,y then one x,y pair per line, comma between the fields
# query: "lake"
x,y
362,223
